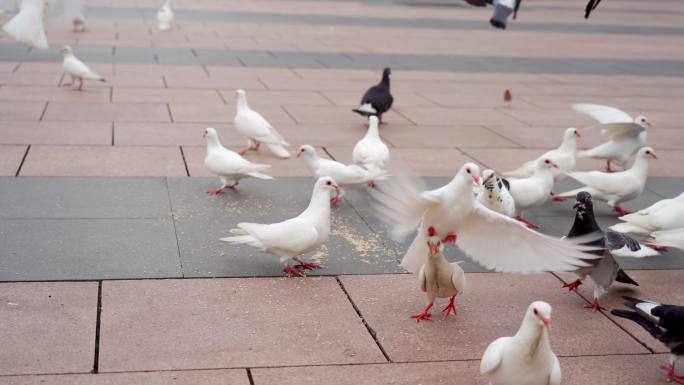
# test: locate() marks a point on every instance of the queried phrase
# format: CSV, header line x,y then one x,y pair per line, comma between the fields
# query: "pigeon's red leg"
x,y
371,184
215,191
425,315
450,308
256,148
450,239
556,198
608,169
595,306
80,84
529,224
307,265
70,83
656,247
572,286
250,148
293,271
621,211
232,186
671,375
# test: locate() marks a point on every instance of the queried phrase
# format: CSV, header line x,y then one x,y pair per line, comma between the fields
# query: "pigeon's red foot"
x,y
608,169
657,248
572,286
450,239
671,375
215,191
621,211
556,198
308,266
529,224
595,306
450,308
424,315
335,201
371,184
293,271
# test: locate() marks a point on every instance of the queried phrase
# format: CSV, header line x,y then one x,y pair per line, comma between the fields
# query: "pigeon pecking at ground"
x,y
371,152
494,194
377,100
534,190
257,129
563,156
438,278
626,135
165,16
76,69
605,270
526,358
27,25
229,165
613,188
663,322
291,238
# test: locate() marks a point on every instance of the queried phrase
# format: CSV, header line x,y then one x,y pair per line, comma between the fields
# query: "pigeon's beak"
x,y
298,155
547,322
649,125
653,155
577,205
434,248
555,165
577,134
204,135
476,180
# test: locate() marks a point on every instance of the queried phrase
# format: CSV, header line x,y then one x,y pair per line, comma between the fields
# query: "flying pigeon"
x,y
668,238
494,194
563,156
663,322
165,16
626,135
605,270
482,233
666,214
27,25
591,5
291,238
257,129
534,190
343,174
228,165
371,152
378,99
613,188
439,278
76,69
526,358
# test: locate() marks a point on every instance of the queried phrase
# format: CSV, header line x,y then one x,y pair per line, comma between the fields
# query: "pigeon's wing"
x,y
74,66
668,238
379,97
253,125
491,359
622,245
422,280
27,25
293,235
523,171
555,377
620,130
671,318
603,114
504,244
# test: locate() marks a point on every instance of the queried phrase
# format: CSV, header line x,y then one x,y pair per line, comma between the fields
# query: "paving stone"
x,y
14,111
56,133
327,114
220,113
387,301
614,370
47,327
147,95
171,134
10,159
190,377
35,79
424,136
667,187
52,93
137,315
448,116
125,112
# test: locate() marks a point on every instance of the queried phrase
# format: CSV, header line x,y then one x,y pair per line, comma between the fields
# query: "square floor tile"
x,y
190,377
10,159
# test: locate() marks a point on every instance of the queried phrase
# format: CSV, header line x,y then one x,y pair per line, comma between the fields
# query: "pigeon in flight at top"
x,y
378,99
663,322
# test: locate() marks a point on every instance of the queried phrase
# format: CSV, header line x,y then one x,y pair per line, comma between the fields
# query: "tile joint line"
x,y
249,376
23,159
96,359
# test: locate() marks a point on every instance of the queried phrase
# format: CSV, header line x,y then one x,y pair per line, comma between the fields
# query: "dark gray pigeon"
x,y
602,271
663,322
591,5
378,99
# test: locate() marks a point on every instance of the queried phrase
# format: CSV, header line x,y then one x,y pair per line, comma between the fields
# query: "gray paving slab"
x,y
217,57
85,249
667,187
353,248
67,197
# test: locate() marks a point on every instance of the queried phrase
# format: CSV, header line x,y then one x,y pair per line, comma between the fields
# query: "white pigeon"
x,y
257,129
371,152
534,190
228,165
563,156
526,358
27,25
493,240
344,175
76,69
668,238
494,194
291,238
626,135
165,16
613,188
439,279
666,214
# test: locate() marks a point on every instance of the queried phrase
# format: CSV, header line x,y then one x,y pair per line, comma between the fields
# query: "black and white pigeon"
x,y
663,322
602,271
378,99
591,5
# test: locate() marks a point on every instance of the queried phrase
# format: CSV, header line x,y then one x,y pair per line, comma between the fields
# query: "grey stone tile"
x,y
66,197
217,57
666,187
135,55
73,249
176,56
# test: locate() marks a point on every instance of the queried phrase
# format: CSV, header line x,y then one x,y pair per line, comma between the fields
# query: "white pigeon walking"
x,y
494,194
666,214
27,25
626,135
165,16
439,279
344,175
493,240
257,129
291,238
668,238
563,156
526,358
371,152
76,69
228,165
613,188
534,190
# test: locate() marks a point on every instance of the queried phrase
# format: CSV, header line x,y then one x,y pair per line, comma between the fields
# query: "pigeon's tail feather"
x,y
573,193
243,240
627,227
523,171
650,327
259,175
278,150
624,278
365,110
590,153
416,254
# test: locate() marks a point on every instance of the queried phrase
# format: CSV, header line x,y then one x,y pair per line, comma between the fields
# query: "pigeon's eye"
x,y
302,150
328,183
468,170
536,312
547,161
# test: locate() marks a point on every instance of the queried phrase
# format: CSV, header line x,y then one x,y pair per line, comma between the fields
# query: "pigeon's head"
x,y
210,132
327,183
642,121
306,150
386,72
240,94
583,204
571,133
67,50
433,241
646,152
488,179
470,170
540,312
548,163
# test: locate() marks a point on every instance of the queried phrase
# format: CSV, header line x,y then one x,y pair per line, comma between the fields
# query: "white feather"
x,y
668,238
27,25
371,152
229,165
563,156
257,129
